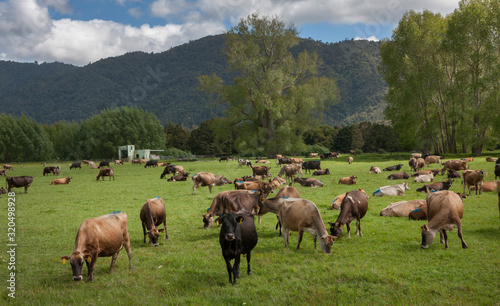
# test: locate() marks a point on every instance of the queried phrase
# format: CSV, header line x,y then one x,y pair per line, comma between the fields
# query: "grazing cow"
x,y
308,182
208,179
432,159
350,159
454,174
399,176
151,163
491,159
75,165
301,215
257,185
284,161
18,182
223,158
106,172
394,190
401,208
354,207
488,186
153,215
118,162
271,205
348,180
338,200
313,155
103,164
54,170
413,163
375,170
445,210
64,180
321,172
170,169
276,182
136,161
473,178
420,163
242,162
8,167
237,236
290,171
352,152
3,172
103,236
312,164
424,178
419,213
454,164
232,201
497,171
393,168
179,177
334,154
434,172
325,155
261,170
436,186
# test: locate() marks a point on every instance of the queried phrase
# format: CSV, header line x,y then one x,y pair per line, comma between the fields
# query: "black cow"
x,y
151,163
497,171
237,236
170,169
54,170
312,164
18,182
225,158
103,164
75,165
394,168
284,160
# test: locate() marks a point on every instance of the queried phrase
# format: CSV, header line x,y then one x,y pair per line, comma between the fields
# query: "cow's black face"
x,y
336,229
76,260
229,226
208,220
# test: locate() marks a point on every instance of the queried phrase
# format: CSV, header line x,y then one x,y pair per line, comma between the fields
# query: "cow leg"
x,y
91,266
315,238
358,228
286,234
229,270
445,236
113,260
126,243
25,189
144,231
194,188
301,232
260,219
236,267
459,227
348,226
210,188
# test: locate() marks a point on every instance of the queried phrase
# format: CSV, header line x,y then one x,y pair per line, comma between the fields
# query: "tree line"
x,y
22,139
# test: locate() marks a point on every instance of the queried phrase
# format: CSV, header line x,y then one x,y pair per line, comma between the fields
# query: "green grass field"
x,y
386,266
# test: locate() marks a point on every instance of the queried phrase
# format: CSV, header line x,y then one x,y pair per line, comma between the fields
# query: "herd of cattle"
x,y
234,210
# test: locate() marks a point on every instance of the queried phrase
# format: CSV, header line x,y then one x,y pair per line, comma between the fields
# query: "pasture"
x,y
386,266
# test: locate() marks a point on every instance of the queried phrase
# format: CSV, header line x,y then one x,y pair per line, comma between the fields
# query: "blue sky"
x,y
79,32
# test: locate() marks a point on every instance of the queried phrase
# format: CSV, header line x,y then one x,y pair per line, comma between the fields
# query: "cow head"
x,y
68,179
427,236
336,229
229,226
208,220
326,242
153,235
76,260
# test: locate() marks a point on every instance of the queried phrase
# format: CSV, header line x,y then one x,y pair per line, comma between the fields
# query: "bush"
x,y
176,153
316,149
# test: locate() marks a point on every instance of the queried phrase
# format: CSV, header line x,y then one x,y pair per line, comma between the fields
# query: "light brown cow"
x,y
271,205
424,178
64,180
434,172
473,178
276,182
262,171
290,171
416,155
454,164
208,179
179,169
375,170
402,208
118,162
8,167
103,236
488,186
413,164
350,159
106,172
153,215
420,163
301,215
338,200
491,159
468,159
313,155
348,180
432,159
256,185
445,210
297,160
308,182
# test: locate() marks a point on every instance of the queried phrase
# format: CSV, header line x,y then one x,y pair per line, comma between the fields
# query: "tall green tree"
x,y
274,96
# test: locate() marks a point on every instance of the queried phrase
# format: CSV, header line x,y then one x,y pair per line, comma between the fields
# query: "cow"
x,y
261,170
308,182
338,200
257,185
488,186
8,167
424,178
179,177
179,169
454,164
92,165
413,164
170,169
468,159
64,180
454,174
416,155
237,236
246,178
354,207
136,161
103,236
348,180
352,152
436,186
18,182
284,161
350,159
432,159
118,162
271,205
106,172
224,158
290,171
231,201
262,161
103,164
3,172
419,213
434,172
497,171
398,176
420,163
301,215
393,168
151,163
153,215
375,170
312,164
321,172
208,179
242,162
394,190
276,182
445,210
143,160
326,155
313,155
334,154
473,178
54,170
75,165
402,208
297,160
491,159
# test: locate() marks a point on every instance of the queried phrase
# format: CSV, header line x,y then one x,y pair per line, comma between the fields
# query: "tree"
x,y
274,96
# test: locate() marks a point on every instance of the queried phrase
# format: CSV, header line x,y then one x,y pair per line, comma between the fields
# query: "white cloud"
x,y
371,38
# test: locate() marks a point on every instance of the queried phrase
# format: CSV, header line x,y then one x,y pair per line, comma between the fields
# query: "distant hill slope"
x,y
166,83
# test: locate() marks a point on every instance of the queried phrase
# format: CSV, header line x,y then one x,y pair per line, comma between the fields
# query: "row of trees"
x,y
443,75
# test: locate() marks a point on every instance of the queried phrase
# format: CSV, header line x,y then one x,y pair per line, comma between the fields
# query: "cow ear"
x,y
424,227
240,219
87,258
217,221
161,230
64,259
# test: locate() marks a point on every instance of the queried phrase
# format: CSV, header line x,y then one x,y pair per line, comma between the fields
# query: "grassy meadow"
x,y
386,266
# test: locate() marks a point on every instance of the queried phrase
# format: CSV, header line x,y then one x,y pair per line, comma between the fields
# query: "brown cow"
x,y
473,178
54,170
488,186
350,159
354,207
106,172
261,170
257,185
297,160
416,155
444,211
432,159
413,164
338,200
179,169
153,215
321,172
348,180
18,182
99,237
454,164
434,172
491,159
308,182
290,171
399,176
375,170
8,167
301,215
276,182
3,172
436,186
64,180
271,205
118,162
208,179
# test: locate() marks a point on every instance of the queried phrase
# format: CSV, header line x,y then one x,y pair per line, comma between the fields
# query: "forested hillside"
x,y
166,83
